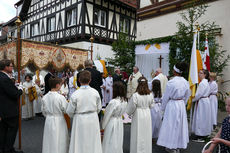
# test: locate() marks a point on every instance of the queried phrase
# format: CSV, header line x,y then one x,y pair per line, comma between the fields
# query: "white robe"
x,y
141,127
37,102
103,93
174,130
108,89
42,82
72,88
213,101
156,116
113,125
132,84
163,79
27,109
64,90
55,137
201,124
84,106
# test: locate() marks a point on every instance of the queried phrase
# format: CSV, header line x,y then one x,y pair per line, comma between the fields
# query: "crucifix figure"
x,y
160,60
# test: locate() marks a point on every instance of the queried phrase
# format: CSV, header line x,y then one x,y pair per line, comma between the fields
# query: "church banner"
x,y
43,54
8,51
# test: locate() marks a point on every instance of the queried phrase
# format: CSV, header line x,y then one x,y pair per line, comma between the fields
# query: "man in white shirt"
x,y
163,79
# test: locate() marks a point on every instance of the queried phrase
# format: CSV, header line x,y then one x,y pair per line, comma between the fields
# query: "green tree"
x,y
124,53
181,43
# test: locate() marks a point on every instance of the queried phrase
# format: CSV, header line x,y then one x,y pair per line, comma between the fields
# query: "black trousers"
x,y
8,133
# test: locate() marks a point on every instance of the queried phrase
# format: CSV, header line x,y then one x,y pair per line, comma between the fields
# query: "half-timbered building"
x,y
73,22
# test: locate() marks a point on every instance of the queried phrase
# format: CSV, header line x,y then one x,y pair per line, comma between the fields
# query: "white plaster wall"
x,y
104,51
165,25
144,3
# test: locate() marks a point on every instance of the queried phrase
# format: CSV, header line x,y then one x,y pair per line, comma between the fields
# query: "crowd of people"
x,y
157,108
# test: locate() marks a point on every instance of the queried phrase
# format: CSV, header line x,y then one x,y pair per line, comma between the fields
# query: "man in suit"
x,y
117,76
96,78
9,108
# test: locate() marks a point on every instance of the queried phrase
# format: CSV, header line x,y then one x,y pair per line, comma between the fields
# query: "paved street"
x,y
32,132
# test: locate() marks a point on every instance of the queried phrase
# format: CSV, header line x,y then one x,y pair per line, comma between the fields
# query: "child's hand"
x,y
216,140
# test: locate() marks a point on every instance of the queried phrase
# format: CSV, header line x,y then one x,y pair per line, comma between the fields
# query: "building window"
x,y
71,16
100,18
124,25
34,29
51,24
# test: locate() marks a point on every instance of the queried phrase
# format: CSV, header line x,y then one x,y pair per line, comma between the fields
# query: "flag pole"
x,y
18,24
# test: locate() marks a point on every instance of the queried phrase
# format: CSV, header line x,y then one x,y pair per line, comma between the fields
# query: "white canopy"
x,y
148,58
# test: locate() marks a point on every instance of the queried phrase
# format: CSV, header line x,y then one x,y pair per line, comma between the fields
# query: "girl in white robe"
x,y
27,108
174,130
156,113
84,106
54,105
201,124
141,126
213,98
112,121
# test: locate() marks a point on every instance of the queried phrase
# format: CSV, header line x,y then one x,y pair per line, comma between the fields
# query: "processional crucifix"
x,y
160,60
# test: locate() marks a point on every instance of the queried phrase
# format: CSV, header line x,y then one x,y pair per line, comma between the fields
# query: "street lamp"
x,y
91,51
18,23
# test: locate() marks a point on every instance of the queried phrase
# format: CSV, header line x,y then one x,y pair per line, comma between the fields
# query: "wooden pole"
x,y
18,23
91,51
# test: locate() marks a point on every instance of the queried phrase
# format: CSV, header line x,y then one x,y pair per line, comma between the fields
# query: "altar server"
x,y
54,105
141,127
174,130
27,103
37,102
84,106
112,122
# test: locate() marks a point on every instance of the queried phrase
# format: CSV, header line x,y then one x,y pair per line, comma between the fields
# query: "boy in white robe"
x,y
84,106
55,137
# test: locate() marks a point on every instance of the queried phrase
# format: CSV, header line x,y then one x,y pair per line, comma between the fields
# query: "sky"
x,y
7,10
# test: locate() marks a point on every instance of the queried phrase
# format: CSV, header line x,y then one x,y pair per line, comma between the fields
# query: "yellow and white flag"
x,y
195,67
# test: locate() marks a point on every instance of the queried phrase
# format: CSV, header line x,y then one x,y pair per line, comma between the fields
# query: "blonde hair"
x,y
212,75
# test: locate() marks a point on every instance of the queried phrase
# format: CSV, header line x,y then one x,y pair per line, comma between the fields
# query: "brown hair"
x,y
88,63
4,63
80,67
142,88
53,81
206,73
156,88
85,77
119,90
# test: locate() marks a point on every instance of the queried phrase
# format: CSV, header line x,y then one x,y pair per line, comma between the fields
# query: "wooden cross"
x,y
160,60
